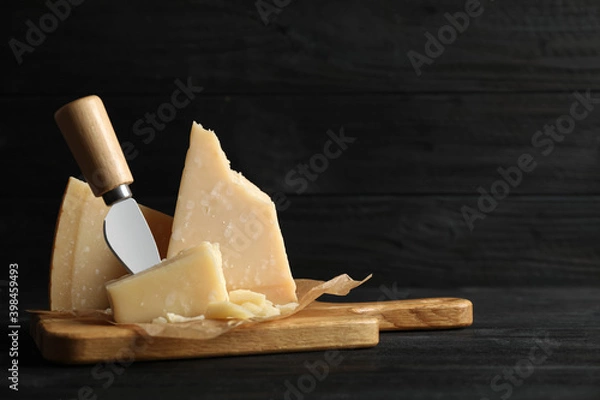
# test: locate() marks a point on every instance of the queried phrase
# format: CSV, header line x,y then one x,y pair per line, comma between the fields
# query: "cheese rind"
x,y
183,285
219,205
81,261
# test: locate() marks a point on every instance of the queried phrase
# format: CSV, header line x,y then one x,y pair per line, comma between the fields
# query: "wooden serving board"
x,y
320,326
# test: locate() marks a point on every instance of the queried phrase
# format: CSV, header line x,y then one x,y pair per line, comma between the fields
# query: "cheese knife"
x,y
91,138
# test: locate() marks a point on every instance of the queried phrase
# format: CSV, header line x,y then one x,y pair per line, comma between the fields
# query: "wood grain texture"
x,y
70,342
424,241
451,364
402,315
333,46
322,326
87,129
403,144
406,241
434,150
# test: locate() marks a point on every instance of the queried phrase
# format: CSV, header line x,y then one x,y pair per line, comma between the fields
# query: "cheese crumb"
x,y
243,304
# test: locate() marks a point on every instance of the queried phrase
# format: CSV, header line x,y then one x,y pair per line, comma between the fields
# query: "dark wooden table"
x,y
274,90
524,344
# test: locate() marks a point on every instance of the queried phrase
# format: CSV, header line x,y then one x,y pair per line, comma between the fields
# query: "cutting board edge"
x,y
57,346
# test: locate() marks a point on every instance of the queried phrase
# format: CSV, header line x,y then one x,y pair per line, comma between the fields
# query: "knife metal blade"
x,y
89,133
129,237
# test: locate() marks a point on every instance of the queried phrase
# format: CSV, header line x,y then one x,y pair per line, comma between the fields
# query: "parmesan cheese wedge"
x,y
81,261
219,205
182,285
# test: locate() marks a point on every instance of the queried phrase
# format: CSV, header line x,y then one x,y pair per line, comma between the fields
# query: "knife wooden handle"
x,y
89,133
398,315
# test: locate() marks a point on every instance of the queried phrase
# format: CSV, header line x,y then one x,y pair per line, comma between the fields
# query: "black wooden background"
x,y
391,203
275,89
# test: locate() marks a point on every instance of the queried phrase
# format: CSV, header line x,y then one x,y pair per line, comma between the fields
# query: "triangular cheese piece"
x,y
81,260
218,205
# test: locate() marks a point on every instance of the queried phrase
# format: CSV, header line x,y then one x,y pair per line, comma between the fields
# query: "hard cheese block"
x,y
219,205
81,260
183,285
